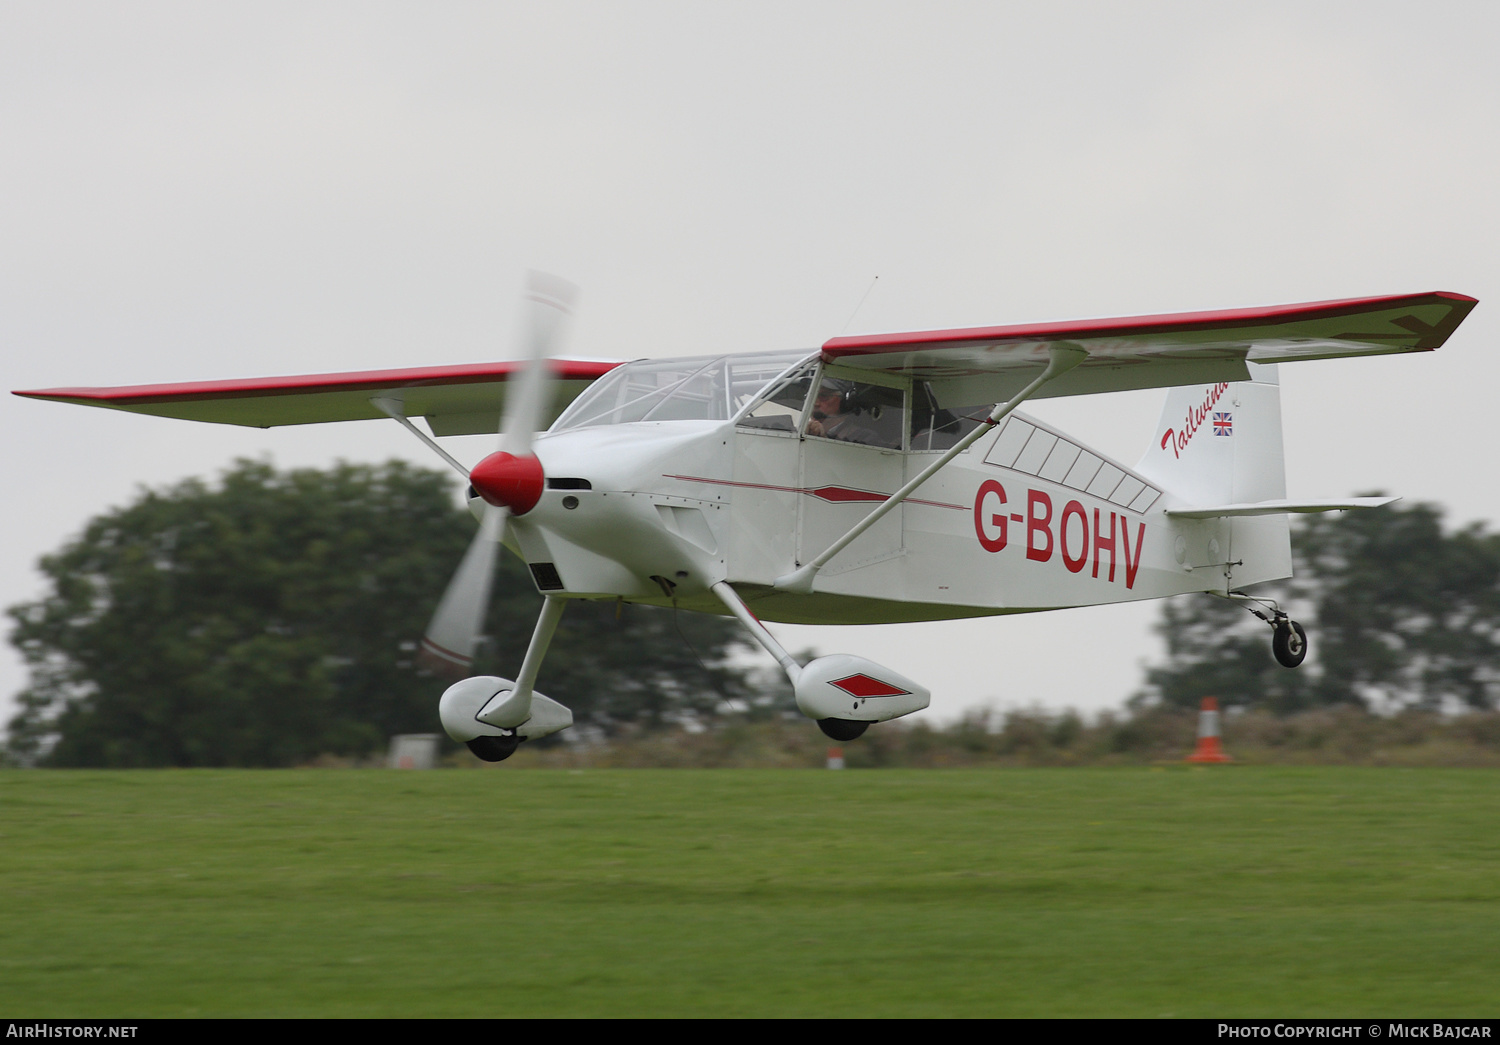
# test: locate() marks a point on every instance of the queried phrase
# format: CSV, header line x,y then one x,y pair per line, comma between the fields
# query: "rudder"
x,y
1221,444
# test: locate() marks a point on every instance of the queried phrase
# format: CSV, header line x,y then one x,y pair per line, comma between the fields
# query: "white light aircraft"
x,y
880,479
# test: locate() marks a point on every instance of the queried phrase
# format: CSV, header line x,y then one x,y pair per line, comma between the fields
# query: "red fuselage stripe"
x,y
831,494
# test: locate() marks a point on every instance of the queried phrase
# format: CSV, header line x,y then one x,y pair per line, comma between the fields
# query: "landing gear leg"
x,y
832,688
834,685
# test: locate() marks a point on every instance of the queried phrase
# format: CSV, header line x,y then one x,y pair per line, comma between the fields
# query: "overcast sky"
x,y
230,190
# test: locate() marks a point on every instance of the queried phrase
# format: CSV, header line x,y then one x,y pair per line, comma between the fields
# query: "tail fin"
x,y
1221,444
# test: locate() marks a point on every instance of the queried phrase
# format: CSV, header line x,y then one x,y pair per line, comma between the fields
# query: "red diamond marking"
x,y
865,686
843,493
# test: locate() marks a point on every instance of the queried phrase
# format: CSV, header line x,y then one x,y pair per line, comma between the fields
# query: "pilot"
x,y
829,419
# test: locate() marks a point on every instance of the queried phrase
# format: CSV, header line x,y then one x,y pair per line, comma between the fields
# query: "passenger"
x,y
829,419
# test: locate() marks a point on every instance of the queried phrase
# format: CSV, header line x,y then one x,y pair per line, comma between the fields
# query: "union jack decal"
x,y
1223,424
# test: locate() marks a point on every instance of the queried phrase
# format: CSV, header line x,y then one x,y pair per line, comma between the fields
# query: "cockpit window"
x,y
770,378
857,412
703,388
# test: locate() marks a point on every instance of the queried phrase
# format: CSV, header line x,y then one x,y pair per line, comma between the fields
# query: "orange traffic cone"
x,y
1208,749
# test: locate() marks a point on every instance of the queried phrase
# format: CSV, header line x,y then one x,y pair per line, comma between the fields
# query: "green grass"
x,y
1188,892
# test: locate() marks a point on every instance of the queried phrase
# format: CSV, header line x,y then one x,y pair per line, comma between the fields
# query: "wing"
x,y
455,400
989,364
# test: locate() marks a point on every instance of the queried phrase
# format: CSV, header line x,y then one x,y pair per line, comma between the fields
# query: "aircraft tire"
x,y
842,728
494,749
1289,644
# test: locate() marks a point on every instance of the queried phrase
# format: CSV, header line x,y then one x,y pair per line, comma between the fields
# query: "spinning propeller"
x,y
510,480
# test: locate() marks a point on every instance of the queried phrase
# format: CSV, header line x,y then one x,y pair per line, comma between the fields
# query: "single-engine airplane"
x,y
880,479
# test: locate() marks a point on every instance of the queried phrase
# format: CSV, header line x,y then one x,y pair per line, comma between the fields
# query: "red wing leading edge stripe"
x,y
1429,335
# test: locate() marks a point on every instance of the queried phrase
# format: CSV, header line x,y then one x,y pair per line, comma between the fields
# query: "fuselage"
x,y
657,509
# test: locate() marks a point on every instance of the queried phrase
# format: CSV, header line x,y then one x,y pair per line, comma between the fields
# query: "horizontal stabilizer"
x,y
1282,507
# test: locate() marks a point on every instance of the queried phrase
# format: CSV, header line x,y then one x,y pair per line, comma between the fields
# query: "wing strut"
x,y
392,408
1064,357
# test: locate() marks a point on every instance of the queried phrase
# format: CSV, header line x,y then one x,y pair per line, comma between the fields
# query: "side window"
x,y
938,428
854,412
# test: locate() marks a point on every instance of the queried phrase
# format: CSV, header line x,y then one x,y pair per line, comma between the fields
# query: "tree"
x,y
274,617
1398,612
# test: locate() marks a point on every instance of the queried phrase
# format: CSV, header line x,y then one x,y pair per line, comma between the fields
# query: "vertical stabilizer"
x,y
1221,444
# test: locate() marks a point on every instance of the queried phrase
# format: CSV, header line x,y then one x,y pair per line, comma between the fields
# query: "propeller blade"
x,y
448,646
549,303
510,480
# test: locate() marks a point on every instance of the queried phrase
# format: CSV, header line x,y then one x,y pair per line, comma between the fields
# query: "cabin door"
x,y
852,461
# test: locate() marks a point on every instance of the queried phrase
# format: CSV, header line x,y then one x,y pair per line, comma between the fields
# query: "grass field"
x,y
1149,892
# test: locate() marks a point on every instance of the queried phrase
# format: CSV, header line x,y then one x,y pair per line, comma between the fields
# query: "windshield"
x,y
703,388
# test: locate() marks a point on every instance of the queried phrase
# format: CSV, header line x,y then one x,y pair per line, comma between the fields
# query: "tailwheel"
x,y
494,749
1289,643
842,729
1288,640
